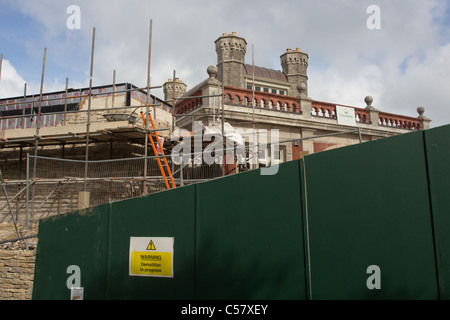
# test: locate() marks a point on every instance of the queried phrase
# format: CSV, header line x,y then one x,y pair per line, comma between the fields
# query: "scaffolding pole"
x,y
65,102
114,89
38,125
255,151
147,105
1,63
38,116
27,208
88,121
173,111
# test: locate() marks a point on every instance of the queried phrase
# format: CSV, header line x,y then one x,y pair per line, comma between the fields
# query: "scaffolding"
x,y
34,118
58,185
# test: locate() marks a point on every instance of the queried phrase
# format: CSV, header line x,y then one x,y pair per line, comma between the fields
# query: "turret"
x,y
295,65
231,51
180,89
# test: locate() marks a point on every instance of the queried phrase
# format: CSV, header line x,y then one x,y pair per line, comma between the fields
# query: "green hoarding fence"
x,y
437,151
249,237
368,221
70,244
372,210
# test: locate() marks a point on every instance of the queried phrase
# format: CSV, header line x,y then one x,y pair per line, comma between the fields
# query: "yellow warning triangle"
x,y
151,246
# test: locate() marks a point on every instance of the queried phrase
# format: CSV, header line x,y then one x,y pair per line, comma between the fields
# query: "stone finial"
x,y
212,71
368,100
301,87
425,120
421,111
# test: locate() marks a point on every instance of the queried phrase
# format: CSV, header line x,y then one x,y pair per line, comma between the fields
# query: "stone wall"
x,y
16,273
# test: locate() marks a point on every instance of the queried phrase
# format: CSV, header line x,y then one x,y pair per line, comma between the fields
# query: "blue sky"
x,y
403,65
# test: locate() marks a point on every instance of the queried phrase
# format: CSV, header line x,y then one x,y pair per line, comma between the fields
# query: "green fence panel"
x,y
169,214
368,208
369,221
438,157
250,236
72,246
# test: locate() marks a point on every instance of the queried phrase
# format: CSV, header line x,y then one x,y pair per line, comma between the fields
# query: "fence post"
x,y
181,170
28,195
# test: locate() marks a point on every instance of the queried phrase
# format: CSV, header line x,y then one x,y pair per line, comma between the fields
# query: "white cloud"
x,y
331,86
424,83
11,83
402,65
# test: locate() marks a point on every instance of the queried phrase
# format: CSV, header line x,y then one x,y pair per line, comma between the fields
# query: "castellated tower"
x,y
295,65
180,89
231,51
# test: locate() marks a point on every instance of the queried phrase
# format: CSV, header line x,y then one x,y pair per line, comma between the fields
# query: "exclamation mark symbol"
x,y
151,246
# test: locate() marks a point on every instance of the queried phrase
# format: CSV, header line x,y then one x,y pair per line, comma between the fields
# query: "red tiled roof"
x,y
265,73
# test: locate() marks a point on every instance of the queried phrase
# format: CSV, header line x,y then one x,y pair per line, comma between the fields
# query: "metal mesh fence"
x,y
56,184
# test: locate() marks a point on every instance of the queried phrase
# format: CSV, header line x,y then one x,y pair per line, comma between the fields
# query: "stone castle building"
x,y
263,98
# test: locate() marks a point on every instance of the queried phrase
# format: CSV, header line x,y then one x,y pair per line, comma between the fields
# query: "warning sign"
x,y
151,257
151,246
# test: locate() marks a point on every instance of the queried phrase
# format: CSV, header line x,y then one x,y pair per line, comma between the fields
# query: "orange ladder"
x,y
161,166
